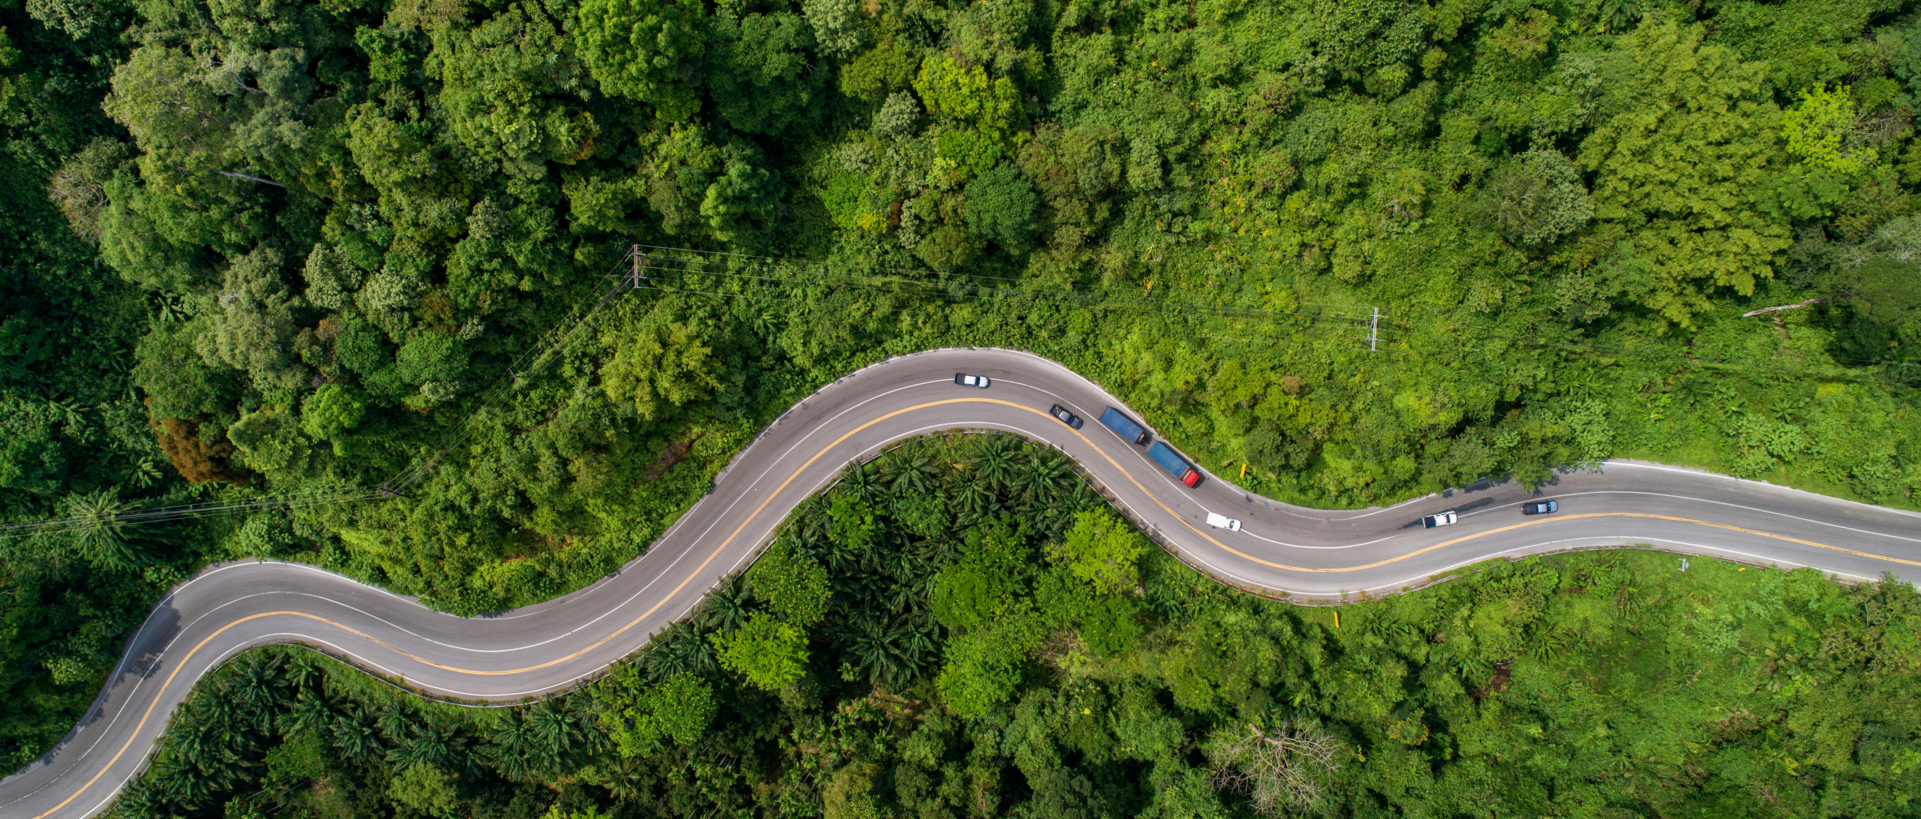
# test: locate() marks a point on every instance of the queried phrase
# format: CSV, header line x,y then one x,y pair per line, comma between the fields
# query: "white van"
x,y
1223,522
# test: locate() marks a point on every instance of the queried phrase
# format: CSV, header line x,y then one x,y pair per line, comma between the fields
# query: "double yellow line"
x,y
148,714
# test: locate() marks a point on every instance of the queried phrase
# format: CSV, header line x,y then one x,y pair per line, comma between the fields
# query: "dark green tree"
x,y
647,50
1000,206
758,71
250,323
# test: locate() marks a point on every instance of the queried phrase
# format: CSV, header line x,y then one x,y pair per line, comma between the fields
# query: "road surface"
x,y
1306,553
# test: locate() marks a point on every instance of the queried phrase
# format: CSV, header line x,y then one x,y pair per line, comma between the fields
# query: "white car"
x,y
1442,519
1223,522
966,380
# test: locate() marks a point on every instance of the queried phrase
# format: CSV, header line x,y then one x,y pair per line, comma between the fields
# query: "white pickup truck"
x,y
1223,522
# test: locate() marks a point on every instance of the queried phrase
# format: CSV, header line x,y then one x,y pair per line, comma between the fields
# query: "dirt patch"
x,y
670,458
1497,683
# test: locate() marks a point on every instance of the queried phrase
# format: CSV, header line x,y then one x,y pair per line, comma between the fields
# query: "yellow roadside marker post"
x,y
1243,470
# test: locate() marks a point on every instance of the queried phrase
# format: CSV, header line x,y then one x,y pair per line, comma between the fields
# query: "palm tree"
x,y
881,651
1040,478
1061,509
863,480
99,535
309,715
145,797
891,653
442,747
557,734
809,528
931,555
183,785
973,501
302,672
510,747
864,589
256,687
1618,15
628,777
396,722
357,736
993,463
211,746
903,588
726,607
919,641
680,649
913,471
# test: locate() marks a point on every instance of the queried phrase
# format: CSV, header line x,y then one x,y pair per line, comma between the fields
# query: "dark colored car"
x,y
1546,507
1066,417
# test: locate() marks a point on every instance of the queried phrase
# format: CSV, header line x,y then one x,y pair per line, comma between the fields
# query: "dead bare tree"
x,y
1279,768
1797,305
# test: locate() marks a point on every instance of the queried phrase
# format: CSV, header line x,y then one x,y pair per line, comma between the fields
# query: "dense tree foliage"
x,y
1591,684
284,247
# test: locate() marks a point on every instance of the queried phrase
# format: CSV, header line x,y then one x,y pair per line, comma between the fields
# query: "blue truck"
x,y
1173,464
1124,426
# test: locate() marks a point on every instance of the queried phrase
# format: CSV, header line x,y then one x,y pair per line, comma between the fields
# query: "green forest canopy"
x,y
283,247
997,642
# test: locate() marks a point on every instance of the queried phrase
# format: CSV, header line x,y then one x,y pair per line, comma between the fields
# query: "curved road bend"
x,y
1309,554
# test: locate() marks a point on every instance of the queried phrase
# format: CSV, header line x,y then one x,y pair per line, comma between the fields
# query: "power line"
x,y
900,272
684,261
516,374
1376,325
1670,356
164,514
1240,336
698,263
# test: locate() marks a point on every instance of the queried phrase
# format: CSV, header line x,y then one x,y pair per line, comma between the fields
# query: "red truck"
x,y
1173,464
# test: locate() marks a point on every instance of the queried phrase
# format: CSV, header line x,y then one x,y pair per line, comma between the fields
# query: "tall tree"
x,y
768,653
647,50
251,323
1692,137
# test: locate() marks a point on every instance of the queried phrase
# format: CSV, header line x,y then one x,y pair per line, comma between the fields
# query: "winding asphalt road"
x,y
1308,554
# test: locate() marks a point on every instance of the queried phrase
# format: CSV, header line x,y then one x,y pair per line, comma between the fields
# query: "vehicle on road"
x,y
1066,417
1124,426
1173,464
1442,519
1223,522
1546,507
966,380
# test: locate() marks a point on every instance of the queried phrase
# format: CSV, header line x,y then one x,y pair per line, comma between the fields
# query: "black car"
x,y
1066,417
1546,507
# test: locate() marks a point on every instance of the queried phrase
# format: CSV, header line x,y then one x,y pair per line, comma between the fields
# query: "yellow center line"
x,y
1477,535
810,462
1464,538
148,714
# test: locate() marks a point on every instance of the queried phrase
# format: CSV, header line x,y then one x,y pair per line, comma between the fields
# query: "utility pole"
x,y
1373,331
634,280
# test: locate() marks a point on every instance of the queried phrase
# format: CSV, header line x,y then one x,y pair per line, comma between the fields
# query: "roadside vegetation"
x,y
289,248
962,628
